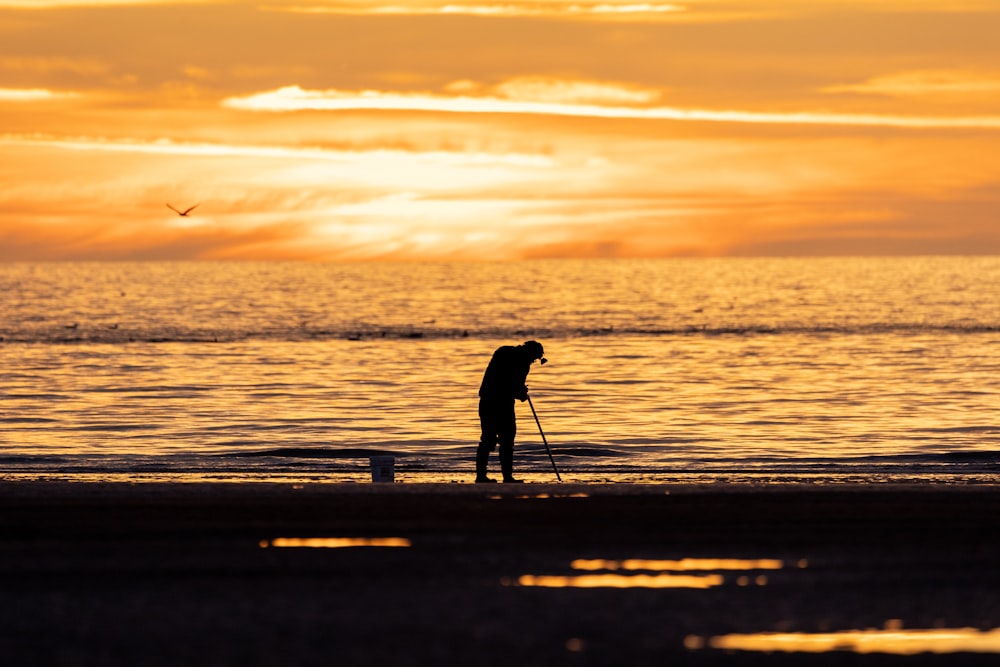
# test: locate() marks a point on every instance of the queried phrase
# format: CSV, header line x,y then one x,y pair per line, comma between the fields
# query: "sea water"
x,y
695,370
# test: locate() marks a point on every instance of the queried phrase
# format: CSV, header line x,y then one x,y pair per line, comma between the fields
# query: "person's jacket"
x,y
506,375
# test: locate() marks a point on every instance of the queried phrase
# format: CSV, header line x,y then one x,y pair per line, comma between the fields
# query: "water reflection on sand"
x,y
334,542
621,581
683,565
892,641
604,573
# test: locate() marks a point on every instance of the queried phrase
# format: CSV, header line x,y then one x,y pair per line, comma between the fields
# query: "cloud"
x,y
381,156
53,4
610,10
624,11
33,95
519,135
922,83
556,91
295,98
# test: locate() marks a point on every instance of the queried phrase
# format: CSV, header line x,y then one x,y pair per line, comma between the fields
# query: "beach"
x,y
535,574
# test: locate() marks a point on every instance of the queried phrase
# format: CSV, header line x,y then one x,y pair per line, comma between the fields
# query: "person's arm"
x,y
520,384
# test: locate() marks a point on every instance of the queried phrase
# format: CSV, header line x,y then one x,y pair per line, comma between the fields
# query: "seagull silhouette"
x,y
185,212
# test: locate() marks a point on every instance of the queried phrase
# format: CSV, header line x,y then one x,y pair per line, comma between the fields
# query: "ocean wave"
x,y
38,459
991,458
614,463
370,333
589,452
964,429
315,453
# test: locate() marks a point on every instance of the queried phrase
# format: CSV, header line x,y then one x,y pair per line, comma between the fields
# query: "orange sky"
x,y
326,130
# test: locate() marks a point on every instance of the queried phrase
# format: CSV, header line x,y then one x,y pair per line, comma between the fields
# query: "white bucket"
x,y
383,468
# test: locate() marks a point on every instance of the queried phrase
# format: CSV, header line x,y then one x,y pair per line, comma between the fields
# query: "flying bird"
x,y
185,212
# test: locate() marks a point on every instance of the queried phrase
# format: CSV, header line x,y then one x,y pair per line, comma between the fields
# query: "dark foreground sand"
x,y
175,574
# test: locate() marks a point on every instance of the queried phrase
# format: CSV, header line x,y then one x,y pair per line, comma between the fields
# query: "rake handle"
x,y
544,441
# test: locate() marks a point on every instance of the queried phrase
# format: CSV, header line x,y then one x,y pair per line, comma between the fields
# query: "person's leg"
x,y
487,441
506,431
482,463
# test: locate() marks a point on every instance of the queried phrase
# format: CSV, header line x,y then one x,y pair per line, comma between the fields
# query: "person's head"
x,y
534,350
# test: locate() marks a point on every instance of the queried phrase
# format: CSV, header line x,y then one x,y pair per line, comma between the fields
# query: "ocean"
x,y
825,370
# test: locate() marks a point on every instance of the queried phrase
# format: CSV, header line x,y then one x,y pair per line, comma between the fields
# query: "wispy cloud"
x,y
33,95
605,11
560,91
923,82
295,98
50,4
619,10
170,147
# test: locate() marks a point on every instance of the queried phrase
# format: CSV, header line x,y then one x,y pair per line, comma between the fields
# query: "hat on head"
x,y
534,348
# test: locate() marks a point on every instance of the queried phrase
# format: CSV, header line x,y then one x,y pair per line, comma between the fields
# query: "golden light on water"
x,y
893,641
683,565
620,581
335,542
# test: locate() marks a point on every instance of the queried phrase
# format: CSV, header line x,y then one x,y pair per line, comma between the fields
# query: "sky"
x,y
479,130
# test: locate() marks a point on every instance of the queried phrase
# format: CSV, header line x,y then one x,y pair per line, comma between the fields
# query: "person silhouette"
x,y
503,381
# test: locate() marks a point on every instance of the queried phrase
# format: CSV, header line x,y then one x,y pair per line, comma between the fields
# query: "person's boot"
x,y
507,466
482,459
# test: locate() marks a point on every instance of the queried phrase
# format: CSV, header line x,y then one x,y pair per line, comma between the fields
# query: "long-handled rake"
x,y
542,433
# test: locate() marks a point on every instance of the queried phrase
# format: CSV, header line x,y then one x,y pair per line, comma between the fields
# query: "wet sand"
x,y
193,574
